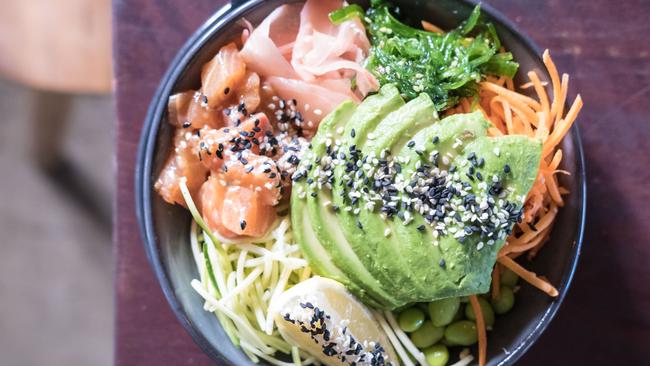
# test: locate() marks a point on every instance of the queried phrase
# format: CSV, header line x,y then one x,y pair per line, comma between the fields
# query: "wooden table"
x,y
603,44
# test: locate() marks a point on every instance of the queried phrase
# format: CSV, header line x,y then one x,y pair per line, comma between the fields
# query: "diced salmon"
x,y
240,200
177,107
211,200
222,75
182,162
248,93
221,145
200,114
189,110
260,173
245,213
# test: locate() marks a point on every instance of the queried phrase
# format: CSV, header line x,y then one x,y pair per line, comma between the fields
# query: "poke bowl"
x,y
167,230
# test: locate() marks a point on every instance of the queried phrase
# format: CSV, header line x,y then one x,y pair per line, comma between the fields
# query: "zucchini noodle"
x,y
239,280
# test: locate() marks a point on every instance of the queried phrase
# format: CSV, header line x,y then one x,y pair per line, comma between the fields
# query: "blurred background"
x,y
56,159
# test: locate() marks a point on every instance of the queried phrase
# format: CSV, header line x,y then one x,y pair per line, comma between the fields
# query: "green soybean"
x,y
505,301
442,311
486,309
437,355
411,319
427,335
462,333
460,314
509,278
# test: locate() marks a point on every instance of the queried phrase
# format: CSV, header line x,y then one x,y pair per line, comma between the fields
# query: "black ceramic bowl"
x,y
165,228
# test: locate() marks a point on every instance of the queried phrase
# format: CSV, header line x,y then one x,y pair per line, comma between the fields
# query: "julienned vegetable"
x,y
446,66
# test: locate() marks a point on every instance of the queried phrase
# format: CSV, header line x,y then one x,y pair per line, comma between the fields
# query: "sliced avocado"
x,y
373,249
323,219
394,131
457,169
318,257
427,277
373,109
522,156
332,224
447,138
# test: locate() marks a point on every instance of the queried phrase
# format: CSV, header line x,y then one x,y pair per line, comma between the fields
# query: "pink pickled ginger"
x,y
303,55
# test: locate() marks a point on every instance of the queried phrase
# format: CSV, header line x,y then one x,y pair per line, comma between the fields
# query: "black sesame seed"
x,y
353,133
226,90
411,143
421,228
506,168
435,140
242,224
187,124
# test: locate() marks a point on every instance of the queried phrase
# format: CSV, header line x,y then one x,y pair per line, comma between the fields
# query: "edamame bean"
x,y
460,314
437,355
442,311
486,309
462,333
505,301
509,278
427,335
411,319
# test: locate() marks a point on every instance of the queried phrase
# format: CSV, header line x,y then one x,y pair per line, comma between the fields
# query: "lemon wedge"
x,y
320,316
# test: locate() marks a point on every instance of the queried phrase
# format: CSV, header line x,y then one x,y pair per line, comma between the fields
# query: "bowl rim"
x,y
226,15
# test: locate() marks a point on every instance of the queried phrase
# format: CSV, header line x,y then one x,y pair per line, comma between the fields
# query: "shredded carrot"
x,y
431,27
512,95
539,114
557,134
528,276
496,281
541,94
529,85
480,327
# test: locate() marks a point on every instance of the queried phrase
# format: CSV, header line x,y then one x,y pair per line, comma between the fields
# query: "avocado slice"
x,y
389,136
302,224
458,194
326,223
418,272
522,155
429,280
